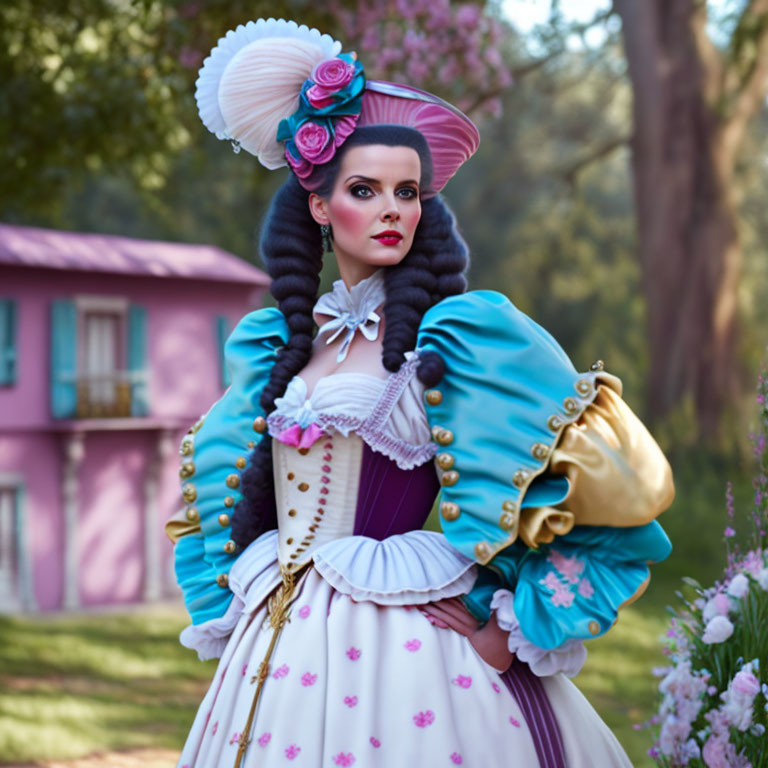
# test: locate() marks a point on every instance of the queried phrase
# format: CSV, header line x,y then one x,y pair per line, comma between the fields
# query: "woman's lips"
x,y
388,238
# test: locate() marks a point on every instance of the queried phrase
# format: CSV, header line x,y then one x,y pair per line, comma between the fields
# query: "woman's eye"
x,y
407,193
361,190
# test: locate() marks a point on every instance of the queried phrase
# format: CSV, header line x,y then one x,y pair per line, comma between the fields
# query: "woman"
x,y
347,634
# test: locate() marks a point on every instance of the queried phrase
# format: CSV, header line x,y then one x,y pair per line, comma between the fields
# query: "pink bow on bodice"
x,y
300,438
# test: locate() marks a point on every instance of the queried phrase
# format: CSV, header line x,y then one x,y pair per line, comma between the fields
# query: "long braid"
x,y
292,252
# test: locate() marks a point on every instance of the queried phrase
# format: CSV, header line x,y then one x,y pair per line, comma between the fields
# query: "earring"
x,y
325,235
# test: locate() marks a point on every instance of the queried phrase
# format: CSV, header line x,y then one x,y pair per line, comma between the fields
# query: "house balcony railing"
x,y
110,395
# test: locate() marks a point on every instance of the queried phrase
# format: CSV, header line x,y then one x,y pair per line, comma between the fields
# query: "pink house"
x,y
110,348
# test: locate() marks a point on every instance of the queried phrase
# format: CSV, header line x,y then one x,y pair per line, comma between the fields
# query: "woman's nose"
x,y
390,212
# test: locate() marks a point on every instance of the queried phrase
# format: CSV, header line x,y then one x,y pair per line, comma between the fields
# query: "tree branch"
x,y
571,172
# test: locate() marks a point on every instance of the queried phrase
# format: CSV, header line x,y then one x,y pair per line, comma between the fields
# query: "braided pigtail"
x,y
292,252
433,269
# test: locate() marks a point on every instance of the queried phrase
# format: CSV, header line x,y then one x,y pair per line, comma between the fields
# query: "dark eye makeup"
x,y
364,191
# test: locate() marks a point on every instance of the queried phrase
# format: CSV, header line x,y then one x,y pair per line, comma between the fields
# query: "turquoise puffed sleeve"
x,y
508,396
213,455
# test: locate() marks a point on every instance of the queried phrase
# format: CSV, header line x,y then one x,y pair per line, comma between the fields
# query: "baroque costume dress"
x,y
548,485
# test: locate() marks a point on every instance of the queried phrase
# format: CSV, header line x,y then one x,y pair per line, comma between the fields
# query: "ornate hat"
x,y
287,94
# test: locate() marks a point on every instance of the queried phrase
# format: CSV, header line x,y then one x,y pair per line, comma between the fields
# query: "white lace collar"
x,y
352,309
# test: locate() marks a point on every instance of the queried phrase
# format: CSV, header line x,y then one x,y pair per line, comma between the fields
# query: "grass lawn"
x,y
74,685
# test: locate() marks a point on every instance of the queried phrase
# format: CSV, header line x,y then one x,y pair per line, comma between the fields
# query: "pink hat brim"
x,y
452,137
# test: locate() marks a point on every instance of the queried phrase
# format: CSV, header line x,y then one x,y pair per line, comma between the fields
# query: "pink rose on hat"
x,y
333,74
314,143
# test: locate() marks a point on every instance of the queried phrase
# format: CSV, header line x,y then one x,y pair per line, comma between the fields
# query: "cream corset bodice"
x,y
318,450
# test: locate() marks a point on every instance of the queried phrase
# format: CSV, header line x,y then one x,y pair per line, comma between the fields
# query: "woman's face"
x,y
373,210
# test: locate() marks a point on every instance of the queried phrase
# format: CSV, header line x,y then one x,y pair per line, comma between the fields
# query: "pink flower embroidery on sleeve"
x,y
463,681
413,645
292,752
304,611
350,701
570,567
423,719
563,597
585,588
375,743
308,679
456,758
344,758
353,653
550,581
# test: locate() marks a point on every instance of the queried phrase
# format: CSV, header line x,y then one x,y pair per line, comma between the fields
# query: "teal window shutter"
x,y
137,360
222,334
7,342
63,359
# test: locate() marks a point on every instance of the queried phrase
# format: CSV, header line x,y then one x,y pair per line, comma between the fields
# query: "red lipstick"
x,y
388,237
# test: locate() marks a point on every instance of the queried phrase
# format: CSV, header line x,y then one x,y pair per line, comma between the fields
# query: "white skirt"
x,y
355,683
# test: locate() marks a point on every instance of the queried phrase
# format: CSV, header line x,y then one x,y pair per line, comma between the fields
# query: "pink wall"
x,y
183,353
184,382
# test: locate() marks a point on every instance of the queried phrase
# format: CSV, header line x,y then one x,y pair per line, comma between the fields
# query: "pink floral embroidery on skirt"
x,y
350,701
281,671
304,611
423,719
353,653
375,742
413,645
344,758
456,758
292,752
308,679
463,681
263,740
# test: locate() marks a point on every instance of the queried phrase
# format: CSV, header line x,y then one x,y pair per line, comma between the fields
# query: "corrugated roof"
x,y
57,249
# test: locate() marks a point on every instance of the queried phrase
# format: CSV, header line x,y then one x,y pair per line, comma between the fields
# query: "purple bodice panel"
x,y
391,500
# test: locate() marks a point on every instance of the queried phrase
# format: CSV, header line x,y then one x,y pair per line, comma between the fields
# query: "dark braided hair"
x,y
292,252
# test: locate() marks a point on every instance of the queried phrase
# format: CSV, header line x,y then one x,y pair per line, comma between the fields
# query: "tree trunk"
x,y
683,154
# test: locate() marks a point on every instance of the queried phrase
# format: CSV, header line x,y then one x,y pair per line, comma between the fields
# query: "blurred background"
x,y
617,197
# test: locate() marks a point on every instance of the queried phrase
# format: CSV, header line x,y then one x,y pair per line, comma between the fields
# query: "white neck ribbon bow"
x,y
352,310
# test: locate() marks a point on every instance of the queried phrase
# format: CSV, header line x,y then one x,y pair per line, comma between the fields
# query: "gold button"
x,y
233,481
444,437
450,478
229,547
222,580
554,422
449,510
508,520
482,550
187,447
434,396
223,520
445,460
593,627
291,513
289,566
193,515
290,475
583,386
187,469
303,486
520,478
570,405
189,492
509,506
303,451
241,462
251,444
289,540
260,425
229,501
598,365
540,451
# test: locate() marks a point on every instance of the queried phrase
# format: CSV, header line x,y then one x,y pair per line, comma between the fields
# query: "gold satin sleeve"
x,y
179,526
616,471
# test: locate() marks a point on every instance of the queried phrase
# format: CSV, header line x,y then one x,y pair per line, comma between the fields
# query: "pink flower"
x,y
301,167
344,758
353,653
263,740
496,687
463,681
585,588
308,679
562,597
350,701
281,671
235,738
245,669
550,581
375,743
714,753
314,143
304,611
729,533
456,758
570,567
423,719
333,74
318,97
719,605
413,645
292,752
514,722
717,630
745,683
